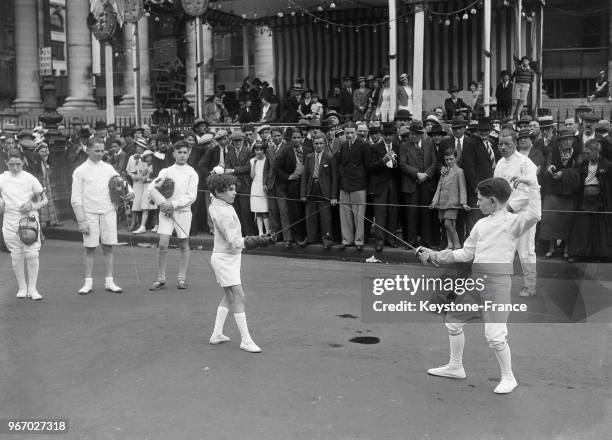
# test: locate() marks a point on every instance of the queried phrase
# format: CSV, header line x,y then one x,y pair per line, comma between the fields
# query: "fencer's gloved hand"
x,y
253,241
269,239
423,254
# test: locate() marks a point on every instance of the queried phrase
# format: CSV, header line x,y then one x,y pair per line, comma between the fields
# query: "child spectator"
x,y
451,195
259,200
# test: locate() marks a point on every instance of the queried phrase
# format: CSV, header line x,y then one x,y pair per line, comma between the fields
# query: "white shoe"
x,y
250,346
448,371
35,295
526,293
218,339
85,290
506,386
154,229
112,287
140,230
22,294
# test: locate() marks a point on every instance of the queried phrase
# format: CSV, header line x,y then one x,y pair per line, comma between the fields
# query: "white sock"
x,y
19,270
33,264
241,322
88,283
108,281
504,357
220,320
456,349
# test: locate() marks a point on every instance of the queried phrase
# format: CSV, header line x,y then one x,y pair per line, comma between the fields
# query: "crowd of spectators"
x,y
401,183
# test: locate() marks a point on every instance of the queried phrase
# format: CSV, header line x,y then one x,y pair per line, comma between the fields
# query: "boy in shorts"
x,y
95,213
175,212
226,258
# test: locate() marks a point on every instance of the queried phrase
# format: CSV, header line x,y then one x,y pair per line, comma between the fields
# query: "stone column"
x,y
127,100
209,74
190,61
263,54
26,52
79,57
145,71
418,56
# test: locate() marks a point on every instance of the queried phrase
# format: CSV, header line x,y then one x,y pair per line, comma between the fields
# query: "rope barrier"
x,y
289,199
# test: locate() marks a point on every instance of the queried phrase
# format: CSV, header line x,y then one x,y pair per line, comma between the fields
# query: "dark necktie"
x,y
299,155
490,152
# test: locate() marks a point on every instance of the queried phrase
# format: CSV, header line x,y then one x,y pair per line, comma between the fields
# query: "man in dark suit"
x,y
219,155
277,205
454,105
353,162
458,140
247,112
289,165
479,161
346,97
383,186
503,94
319,187
77,152
241,168
418,166
291,104
198,208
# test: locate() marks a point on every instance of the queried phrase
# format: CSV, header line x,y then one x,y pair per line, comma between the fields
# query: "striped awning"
x,y
319,52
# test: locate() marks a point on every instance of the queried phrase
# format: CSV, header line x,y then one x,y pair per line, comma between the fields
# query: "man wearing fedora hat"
x,y
503,94
200,128
418,166
291,103
198,208
459,140
404,93
383,186
221,154
454,105
374,132
478,159
543,143
346,97
587,129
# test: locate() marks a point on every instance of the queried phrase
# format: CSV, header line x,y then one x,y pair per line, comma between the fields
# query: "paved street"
x,y
138,365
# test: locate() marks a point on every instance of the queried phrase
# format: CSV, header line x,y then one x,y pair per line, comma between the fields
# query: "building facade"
x,y
571,42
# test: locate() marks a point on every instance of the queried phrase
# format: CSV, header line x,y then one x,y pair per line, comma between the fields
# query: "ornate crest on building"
x,y
104,24
195,8
133,10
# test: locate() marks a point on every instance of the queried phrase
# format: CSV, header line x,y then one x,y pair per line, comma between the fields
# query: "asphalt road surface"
x,y
138,365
